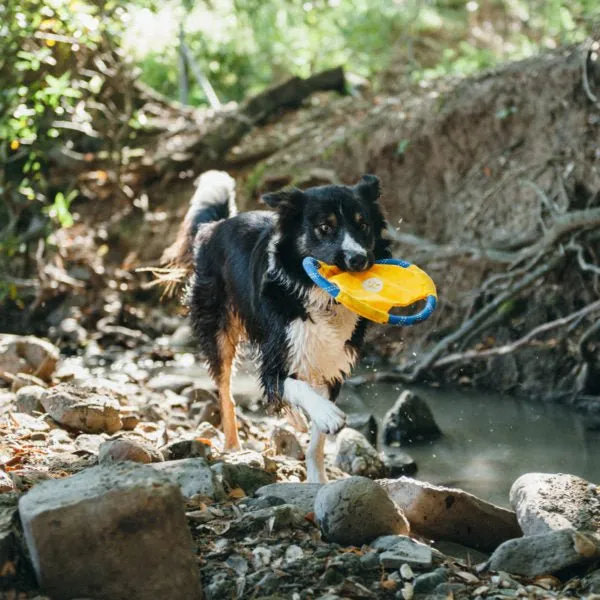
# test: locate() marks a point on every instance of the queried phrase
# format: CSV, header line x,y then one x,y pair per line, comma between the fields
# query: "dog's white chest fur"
x,y
317,345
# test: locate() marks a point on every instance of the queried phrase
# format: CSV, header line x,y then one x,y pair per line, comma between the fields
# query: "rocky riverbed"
x,y
114,484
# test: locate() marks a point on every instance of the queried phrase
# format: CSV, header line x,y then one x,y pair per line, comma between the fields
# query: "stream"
x,y
488,440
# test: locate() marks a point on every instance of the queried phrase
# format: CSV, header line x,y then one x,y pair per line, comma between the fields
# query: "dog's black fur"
x,y
248,277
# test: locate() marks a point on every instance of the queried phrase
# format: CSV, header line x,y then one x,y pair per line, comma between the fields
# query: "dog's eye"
x,y
325,228
364,227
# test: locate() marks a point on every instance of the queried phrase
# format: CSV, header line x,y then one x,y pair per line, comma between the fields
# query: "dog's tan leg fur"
x,y
227,351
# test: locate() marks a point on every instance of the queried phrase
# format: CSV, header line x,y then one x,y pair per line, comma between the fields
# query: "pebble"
x,y
427,582
28,399
406,571
355,456
123,449
286,443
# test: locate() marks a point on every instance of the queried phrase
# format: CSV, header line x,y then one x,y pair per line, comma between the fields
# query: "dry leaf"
x,y
237,493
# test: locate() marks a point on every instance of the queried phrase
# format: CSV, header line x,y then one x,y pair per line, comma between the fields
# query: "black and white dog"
x,y
248,284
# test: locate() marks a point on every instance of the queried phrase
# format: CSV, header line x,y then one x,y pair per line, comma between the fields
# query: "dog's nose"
x,y
357,262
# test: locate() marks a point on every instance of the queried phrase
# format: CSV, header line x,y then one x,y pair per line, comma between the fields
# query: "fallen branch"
x,y
507,348
480,317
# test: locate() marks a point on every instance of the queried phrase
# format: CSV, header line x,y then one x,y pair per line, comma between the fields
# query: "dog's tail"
x,y
213,200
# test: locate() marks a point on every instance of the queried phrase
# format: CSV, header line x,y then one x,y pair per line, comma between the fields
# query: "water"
x,y
489,440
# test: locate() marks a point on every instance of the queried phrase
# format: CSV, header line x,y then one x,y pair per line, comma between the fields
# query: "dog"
x,y
247,284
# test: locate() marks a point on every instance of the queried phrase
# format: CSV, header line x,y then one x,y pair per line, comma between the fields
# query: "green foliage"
x,y
245,45
45,68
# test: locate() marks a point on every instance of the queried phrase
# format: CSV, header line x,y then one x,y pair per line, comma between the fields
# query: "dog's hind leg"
x,y
227,342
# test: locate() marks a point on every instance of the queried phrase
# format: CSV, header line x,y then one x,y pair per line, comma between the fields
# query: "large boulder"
x,y
356,510
547,502
115,533
410,420
442,513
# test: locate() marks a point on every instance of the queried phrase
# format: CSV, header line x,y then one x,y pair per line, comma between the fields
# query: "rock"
x,y
210,432
29,399
83,410
409,420
123,449
274,518
89,443
194,476
130,421
354,455
426,583
591,583
243,476
400,549
469,556
186,449
545,553
399,463
366,424
182,337
286,443
173,383
355,511
442,513
22,380
27,354
6,483
301,495
548,502
8,542
121,530
25,421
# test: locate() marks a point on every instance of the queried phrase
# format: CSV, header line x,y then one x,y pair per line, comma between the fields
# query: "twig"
x,y
507,348
585,79
448,251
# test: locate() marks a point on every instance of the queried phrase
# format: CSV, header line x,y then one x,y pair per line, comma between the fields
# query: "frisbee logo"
x,y
373,284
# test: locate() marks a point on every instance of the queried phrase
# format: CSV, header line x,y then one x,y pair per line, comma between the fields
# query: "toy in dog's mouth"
x,y
379,293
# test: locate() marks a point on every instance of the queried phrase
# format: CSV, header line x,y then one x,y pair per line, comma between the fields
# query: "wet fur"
x,y
248,284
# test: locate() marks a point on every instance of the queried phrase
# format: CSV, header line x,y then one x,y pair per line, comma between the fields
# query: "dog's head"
x,y
336,224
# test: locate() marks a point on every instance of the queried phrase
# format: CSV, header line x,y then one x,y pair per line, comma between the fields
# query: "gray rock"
x,y
27,354
546,553
409,420
301,495
370,560
366,424
194,477
427,582
124,449
274,518
591,583
186,449
166,381
6,483
8,542
356,510
354,455
22,380
401,549
399,463
548,502
115,533
182,337
29,399
286,443
469,556
83,410
442,513
243,476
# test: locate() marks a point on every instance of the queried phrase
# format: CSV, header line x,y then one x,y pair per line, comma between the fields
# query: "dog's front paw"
x,y
329,418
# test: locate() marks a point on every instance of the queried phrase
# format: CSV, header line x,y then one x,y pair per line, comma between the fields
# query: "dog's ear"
x,y
286,200
368,188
